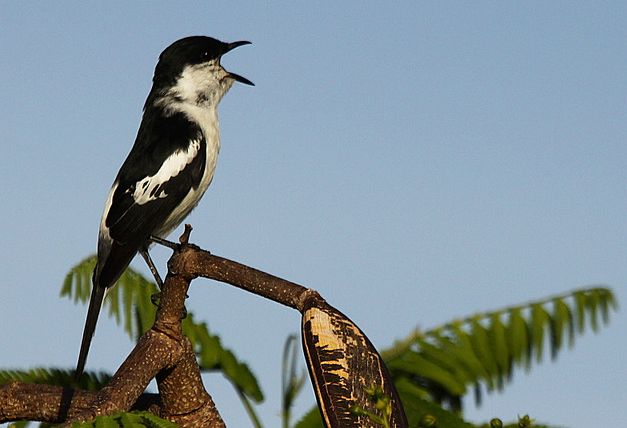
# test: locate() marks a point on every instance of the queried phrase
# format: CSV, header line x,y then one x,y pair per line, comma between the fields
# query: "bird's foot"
x,y
164,242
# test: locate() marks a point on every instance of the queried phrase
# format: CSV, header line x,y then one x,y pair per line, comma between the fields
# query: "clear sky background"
x,y
414,162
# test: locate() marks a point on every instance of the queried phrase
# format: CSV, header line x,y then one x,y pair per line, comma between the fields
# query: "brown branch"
x,y
154,353
342,362
162,352
204,264
20,400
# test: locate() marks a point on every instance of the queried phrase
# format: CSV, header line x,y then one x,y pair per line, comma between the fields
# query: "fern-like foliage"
x,y
131,419
54,376
213,356
292,382
484,349
439,366
129,303
117,420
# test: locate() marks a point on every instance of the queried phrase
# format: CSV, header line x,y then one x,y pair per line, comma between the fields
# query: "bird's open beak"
x,y
229,47
240,79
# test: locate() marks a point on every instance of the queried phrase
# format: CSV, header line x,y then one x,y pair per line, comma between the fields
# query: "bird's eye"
x,y
206,57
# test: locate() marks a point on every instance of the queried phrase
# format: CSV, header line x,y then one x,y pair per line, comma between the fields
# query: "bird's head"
x,y
189,70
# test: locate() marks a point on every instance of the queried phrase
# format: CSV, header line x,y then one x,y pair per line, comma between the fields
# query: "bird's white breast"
x,y
207,119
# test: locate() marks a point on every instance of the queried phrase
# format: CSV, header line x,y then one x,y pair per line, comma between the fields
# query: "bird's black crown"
x,y
189,51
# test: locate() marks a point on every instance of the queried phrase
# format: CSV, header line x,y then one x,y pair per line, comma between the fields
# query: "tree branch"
x,y
202,263
344,366
162,352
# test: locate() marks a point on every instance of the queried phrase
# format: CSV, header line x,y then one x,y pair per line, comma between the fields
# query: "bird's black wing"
x,y
166,162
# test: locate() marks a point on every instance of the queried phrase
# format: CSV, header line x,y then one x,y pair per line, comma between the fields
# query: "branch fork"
x,y
330,341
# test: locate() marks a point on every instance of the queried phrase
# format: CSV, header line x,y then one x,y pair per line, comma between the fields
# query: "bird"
x,y
169,167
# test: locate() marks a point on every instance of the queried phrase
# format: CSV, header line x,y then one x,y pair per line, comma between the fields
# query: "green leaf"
x,y
460,342
478,349
450,361
561,319
416,408
419,366
592,306
498,343
580,308
131,295
481,345
213,356
606,302
540,319
311,419
77,283
127,420
518,336
412,389
291,381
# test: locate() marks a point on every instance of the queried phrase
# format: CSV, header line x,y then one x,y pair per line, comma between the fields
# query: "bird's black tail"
x,y
95,303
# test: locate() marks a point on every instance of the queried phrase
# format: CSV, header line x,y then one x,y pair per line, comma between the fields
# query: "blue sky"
x,y
414,163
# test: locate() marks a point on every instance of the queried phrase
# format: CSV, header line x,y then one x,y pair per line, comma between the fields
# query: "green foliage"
x,y
213,356
439,366
485,349
127,420
523,422
291,382
422,412
429,368
382,403
129,303
53,376
311,419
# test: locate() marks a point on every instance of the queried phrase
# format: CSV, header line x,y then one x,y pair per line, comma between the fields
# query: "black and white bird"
x,y
170,165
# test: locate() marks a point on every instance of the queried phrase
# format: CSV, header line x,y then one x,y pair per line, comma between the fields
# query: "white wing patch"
x,y
104,230
146,188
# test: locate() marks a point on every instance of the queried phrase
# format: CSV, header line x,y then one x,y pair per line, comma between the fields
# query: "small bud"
x,y
525,421
382,403
358,411
428,421
496,423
